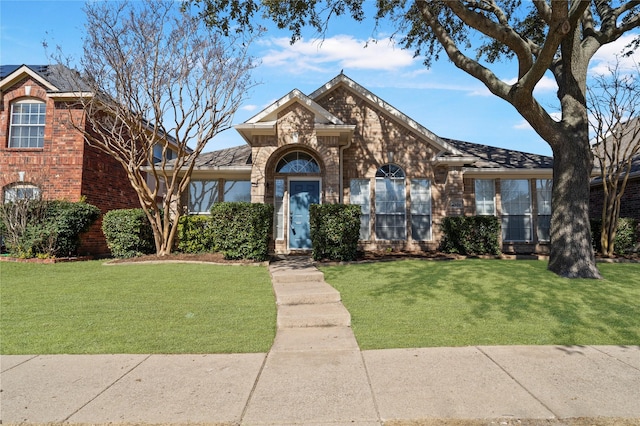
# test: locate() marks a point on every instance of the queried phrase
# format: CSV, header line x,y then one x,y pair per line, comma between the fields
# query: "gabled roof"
x,y
405,120
56,78
265,121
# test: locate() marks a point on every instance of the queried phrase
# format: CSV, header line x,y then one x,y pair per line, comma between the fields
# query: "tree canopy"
x,y
540,36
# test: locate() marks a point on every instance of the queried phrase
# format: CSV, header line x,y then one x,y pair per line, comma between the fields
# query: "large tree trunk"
x,y
571,253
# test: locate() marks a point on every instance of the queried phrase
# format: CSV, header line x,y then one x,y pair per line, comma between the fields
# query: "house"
x,y
630,201
42,155
343,144
622,148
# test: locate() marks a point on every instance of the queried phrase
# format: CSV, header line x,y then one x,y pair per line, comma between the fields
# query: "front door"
x,y
302,193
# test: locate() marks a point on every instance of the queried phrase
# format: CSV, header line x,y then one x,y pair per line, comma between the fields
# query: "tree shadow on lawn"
x,y
516,291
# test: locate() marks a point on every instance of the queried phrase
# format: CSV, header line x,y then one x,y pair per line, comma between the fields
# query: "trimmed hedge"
x,y
241,230
51,228
471,235
128,233
335,230
195,234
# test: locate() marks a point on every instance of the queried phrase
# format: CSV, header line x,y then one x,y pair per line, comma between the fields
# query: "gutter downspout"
x,y
341,171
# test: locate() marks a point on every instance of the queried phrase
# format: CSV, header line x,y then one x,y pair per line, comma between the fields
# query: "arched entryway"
x,y
297,185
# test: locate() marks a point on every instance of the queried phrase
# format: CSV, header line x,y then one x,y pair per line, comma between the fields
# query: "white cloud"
x,y
249,107
606,56
341,51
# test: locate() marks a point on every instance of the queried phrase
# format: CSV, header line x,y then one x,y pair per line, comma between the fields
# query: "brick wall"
x,y
629,204
65,167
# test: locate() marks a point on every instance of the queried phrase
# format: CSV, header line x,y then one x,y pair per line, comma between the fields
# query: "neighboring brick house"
x,y
630,201
343,144
40,153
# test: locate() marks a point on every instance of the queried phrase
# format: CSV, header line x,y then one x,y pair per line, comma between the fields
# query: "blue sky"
x,y
443,99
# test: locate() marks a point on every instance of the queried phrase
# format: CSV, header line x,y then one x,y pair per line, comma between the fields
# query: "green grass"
x,y
90,308
417,303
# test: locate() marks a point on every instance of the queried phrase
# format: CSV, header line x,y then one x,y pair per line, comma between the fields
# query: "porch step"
x,y
284,275
304,293
318,315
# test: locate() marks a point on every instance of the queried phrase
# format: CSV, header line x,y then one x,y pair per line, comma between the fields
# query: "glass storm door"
x,y
301,195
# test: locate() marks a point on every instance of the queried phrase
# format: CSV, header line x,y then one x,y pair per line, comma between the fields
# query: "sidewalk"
x,y
316,374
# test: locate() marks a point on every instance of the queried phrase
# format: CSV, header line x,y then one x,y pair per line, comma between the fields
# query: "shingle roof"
x,y
228,157
494,157
60,76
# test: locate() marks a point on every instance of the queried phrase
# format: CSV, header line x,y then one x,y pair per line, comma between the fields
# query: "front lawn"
x,y
90,308
416,303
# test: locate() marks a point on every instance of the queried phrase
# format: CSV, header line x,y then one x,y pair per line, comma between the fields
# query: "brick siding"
x,y
66,167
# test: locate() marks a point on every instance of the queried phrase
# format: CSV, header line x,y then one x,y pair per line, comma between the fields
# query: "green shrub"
x,y
242,230
128,233
626,235
46,228
471,235
195,234
335,230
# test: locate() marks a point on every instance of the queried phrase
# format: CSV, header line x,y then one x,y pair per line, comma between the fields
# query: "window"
x,y
157,154
516,210
390,203
297,162
202,195
360,197
237,190
543,196
21,191
27,124
485,197
420,209
279,209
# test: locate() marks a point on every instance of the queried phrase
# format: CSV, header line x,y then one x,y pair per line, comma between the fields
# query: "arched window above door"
x,y
297,162
390,171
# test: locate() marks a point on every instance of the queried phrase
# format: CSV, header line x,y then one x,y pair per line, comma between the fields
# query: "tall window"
x,y
360,197
420,209
516,210
485,197
390,203
27,124
21,191
202,195
543,196
237,190
279,209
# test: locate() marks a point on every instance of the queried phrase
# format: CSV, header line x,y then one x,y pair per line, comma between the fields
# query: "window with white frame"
x,y
390,203
421,209
26,129
360,196
543,197
485,190
21,191
297,162
279,208
516,209
202,195
237,190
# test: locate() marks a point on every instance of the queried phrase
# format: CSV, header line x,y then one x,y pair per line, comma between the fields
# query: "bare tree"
x,y
155,80
541,36
614,105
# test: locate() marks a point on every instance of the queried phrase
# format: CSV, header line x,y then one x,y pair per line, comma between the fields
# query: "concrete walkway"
x,y
316,374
